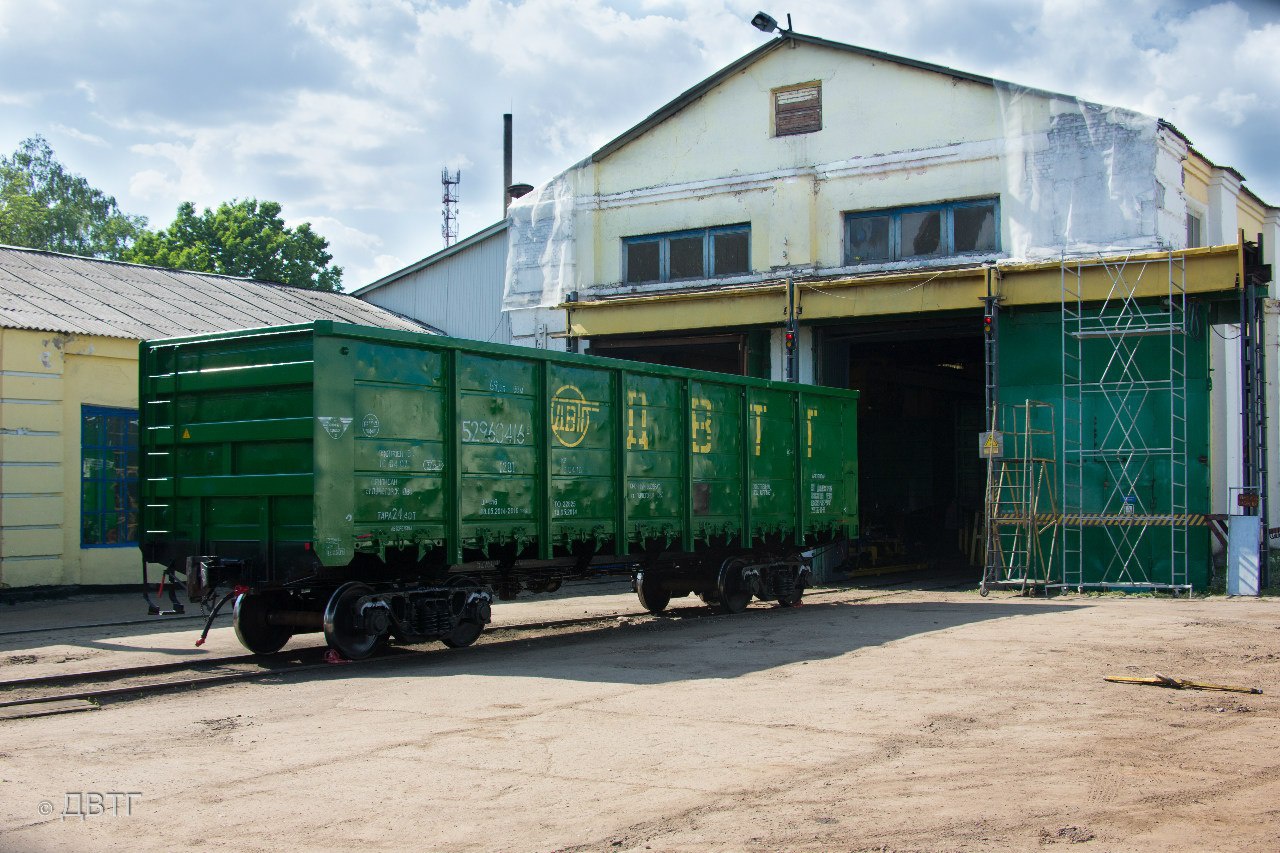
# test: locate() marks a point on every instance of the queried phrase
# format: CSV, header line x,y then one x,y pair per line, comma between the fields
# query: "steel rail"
x,y
303,665
150,620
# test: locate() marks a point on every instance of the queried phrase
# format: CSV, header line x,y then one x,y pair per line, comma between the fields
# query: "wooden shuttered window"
x,y
797,109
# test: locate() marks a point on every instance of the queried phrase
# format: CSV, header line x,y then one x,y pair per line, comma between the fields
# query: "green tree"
x,y
243,238
43,206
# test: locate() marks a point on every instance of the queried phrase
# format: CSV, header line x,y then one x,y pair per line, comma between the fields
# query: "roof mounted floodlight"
x,y
764,22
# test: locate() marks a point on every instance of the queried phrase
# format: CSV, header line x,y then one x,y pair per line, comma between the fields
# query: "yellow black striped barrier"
x,y
1108,519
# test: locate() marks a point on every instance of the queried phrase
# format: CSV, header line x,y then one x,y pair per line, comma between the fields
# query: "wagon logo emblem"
x,y
336,427
571,415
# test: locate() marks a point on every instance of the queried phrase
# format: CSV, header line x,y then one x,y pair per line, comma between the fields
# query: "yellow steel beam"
x,y
1211,269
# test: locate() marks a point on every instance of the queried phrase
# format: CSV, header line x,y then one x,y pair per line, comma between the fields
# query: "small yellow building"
x,y
69,333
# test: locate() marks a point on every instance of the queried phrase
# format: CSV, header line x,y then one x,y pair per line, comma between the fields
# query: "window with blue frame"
x,y
969,227
701,253
108,477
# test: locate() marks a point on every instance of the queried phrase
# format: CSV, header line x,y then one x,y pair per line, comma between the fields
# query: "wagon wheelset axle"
x,y
470,611
649,589
735,585
351,627
253,626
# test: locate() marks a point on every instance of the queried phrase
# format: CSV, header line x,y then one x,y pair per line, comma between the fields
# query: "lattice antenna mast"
x,y
449,200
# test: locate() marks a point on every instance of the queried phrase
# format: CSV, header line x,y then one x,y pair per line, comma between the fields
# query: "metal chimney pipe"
x,y
506,162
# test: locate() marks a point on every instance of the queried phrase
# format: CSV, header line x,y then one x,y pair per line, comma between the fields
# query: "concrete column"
x,y
1222,224
1271,318
1270,238
1224,419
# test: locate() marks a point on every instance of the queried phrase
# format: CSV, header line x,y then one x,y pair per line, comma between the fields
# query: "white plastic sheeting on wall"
x,y
1080,177
540,248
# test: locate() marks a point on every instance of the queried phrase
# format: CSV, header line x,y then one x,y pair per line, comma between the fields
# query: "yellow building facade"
x,y
48,383
1067,177
69,334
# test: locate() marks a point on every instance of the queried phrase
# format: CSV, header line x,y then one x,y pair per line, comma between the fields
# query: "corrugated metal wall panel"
x,y
461,295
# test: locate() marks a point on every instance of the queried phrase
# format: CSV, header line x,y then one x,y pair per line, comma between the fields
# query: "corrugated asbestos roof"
x,y
49,292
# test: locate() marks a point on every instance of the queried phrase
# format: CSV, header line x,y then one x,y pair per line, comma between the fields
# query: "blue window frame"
x,y
108,477
686,255
970,227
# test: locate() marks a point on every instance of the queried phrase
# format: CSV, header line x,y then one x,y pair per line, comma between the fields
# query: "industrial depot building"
x,y
1072,282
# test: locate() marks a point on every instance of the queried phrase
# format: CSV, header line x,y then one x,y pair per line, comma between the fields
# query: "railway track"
x,y
194,615
149,620
90,690
84,691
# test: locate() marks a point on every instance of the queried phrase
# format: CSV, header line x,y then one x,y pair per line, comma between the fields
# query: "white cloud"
x,y
78,134
336,232
356,251
358,276
188,178
349,122
317,140
152,185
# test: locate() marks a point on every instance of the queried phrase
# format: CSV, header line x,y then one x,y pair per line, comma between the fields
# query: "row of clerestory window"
x,y
957,228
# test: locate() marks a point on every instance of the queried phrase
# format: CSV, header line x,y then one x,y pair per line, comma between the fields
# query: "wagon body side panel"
x,y
387,468
226,443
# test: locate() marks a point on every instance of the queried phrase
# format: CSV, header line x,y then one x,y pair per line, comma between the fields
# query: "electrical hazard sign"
x,y
990,445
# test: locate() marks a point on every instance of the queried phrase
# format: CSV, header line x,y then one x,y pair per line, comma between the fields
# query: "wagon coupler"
x,y
153,609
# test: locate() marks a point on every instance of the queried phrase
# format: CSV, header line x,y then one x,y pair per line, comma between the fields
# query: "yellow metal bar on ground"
x,y
1158,680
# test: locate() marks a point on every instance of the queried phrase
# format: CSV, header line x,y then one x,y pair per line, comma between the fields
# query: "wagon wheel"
x,y
254,632
652,596
733,589
793,599
466,631
340,623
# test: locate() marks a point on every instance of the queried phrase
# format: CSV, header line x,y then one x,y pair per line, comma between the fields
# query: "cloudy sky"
x,y
345,111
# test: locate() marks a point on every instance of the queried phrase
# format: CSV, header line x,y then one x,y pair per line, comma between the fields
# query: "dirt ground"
x,y
888,721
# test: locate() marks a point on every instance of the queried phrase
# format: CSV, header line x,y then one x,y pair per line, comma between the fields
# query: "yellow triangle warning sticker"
x,y
991,446
186,433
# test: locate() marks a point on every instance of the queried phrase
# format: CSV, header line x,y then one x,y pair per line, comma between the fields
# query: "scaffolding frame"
x,y
1106,379
1021,505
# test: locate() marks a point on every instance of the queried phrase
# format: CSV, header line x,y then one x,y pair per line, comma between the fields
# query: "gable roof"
x,y
448,251
45,291
786,37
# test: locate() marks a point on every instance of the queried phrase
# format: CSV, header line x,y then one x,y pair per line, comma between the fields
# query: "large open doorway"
x,y
721,353
744,353
920,477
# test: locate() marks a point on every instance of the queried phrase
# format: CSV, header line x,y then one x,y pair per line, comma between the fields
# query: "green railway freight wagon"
x,y
373,484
